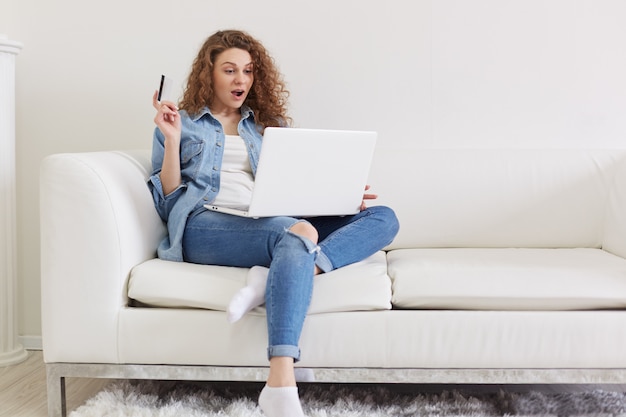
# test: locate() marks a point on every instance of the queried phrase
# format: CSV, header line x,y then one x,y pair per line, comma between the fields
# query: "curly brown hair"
x,y
268,97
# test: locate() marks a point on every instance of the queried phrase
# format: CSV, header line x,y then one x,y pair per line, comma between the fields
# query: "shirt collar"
x,y
245,113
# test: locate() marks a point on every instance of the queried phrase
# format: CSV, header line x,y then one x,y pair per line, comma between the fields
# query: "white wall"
x,y
438,73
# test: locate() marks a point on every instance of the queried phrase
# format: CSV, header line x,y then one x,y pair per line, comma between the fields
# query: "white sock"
x,y
250,296
280,402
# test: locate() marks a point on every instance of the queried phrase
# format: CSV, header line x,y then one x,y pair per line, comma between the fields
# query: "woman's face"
x,y
232,79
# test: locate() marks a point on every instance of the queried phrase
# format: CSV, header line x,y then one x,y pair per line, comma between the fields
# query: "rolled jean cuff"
x,y
284,350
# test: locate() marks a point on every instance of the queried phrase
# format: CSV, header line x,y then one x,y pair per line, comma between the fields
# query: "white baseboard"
x,y
30,342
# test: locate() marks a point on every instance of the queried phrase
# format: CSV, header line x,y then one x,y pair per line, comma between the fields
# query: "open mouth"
x,y
238,93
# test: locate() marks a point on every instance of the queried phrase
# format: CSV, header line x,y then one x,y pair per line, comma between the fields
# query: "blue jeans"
x,y
214,238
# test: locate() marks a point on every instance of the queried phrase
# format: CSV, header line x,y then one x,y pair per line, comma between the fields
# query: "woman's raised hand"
x,y
167,118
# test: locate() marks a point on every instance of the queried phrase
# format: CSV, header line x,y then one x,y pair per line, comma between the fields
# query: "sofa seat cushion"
x,y
364,285
507,279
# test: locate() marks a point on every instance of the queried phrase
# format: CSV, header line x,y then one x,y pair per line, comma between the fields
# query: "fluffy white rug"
x,y
175,399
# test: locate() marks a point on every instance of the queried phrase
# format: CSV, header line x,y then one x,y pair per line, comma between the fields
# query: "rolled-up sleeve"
x,y
163,203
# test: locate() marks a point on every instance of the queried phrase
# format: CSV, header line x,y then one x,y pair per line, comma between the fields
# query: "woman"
x,y
207,152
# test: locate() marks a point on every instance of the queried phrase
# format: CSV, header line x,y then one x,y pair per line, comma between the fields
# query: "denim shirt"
x,y
201,151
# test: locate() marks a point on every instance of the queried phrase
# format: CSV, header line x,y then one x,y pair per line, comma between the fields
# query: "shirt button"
x,y
215,168
213,189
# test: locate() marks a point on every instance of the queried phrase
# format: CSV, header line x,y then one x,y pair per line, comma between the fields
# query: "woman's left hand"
x,y
367,196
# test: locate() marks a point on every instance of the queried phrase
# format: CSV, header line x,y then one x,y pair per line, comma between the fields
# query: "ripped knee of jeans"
x,y
315,250
311,247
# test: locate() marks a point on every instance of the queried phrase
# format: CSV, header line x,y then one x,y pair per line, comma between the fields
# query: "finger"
x,y
169,108
155,101
171,117
370,196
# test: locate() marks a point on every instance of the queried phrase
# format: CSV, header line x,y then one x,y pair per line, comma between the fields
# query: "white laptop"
x,y
309,172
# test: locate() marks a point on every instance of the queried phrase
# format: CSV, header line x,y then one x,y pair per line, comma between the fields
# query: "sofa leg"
x,y
56,393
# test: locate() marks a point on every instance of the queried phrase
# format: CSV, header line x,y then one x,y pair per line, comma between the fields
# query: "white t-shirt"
x,y
236,180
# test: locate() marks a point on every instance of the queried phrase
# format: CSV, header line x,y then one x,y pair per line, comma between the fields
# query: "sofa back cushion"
x,y
548,198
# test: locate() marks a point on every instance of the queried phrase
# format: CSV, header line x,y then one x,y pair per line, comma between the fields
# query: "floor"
x,y
23,388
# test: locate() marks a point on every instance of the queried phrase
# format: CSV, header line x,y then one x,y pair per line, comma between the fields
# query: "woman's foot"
x,y
250,296
280,402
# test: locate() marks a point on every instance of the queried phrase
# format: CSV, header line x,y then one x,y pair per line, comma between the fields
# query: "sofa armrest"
x,y
97,222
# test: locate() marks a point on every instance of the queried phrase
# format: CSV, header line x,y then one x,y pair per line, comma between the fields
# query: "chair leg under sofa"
x,y
56,392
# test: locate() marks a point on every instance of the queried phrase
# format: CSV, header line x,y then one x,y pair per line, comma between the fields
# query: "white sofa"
x,y
509,268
